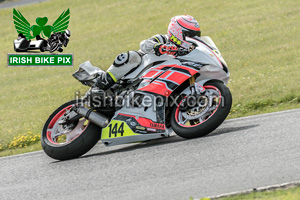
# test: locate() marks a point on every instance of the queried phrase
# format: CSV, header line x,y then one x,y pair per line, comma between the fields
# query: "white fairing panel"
x,y
146,61
209,41
202,54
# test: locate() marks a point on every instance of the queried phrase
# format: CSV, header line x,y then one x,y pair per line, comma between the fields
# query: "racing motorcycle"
x,y
185,94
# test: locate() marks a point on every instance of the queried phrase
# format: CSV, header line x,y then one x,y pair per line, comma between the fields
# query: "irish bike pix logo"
x,y
41,37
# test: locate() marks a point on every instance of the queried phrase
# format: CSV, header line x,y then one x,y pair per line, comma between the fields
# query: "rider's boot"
x,y
105,81
97,95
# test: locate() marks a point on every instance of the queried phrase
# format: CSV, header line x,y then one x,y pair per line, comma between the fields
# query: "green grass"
x,y
31,148
259,39
278,194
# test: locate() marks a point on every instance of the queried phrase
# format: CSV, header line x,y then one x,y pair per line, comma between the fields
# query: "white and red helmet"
x,y
182,26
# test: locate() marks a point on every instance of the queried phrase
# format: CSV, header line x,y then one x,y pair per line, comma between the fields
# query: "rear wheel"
x,y
63,142
206,115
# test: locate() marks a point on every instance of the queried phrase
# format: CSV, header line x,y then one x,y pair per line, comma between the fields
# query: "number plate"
x,y
117,129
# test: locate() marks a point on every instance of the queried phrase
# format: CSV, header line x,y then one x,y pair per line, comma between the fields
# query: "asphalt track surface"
x,y
241,154
17,3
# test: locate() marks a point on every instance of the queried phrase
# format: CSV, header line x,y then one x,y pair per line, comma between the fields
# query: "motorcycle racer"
x,y
179,27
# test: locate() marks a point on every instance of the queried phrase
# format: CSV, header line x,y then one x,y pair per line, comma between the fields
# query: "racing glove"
x,y
165,49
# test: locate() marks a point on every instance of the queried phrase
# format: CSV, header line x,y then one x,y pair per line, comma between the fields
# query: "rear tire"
x,y
71,149
194,130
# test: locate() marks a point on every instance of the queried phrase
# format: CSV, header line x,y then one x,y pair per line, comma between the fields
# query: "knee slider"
x,y
121,59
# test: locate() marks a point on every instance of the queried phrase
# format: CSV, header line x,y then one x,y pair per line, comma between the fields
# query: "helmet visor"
x,y
190,33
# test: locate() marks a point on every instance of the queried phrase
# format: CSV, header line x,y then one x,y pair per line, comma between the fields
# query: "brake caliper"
x,y
197,99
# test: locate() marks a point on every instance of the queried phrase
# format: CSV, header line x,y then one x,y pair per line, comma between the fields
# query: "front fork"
x,y
196,88
196,91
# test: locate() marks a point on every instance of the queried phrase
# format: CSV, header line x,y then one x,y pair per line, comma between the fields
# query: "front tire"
x,y
190,124
82,137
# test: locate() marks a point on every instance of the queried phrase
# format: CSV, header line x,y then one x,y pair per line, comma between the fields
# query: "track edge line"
x,y
259,189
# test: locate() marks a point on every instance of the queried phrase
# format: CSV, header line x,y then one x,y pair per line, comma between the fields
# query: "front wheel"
x,y
209,112
63,142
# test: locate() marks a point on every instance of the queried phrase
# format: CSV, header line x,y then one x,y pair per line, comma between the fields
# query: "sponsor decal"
x,y
157,125
140,131
151,129
175,40
140,127
41,37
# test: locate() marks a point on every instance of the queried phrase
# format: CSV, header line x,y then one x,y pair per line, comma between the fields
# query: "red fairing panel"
x,y
177,77
166,78
157,88
153,74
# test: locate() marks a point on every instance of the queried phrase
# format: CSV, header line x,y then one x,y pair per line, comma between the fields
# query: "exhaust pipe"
x,y
97,118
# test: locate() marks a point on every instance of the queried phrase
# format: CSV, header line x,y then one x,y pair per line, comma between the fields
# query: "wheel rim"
x,y
57,134
199,115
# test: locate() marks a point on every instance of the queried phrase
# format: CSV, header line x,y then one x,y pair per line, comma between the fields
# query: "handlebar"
x,y
179,51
